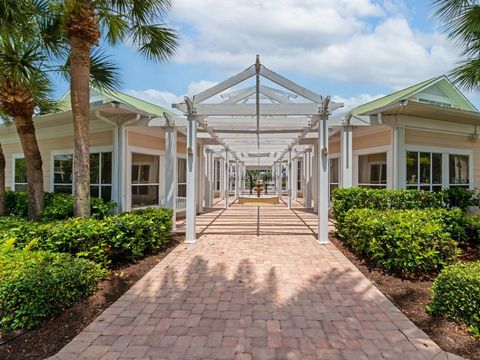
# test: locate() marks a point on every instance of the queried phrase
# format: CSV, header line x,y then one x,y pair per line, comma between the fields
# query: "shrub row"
x,y
404,241
456,294
58,206
38,284
115,238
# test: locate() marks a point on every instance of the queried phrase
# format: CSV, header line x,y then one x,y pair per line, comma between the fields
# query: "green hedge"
x,y
115,238
404,241
38,284
344,199
456,294
58,206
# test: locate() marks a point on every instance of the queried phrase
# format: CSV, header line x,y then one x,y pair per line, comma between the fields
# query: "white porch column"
x,y
307,183
222,178
399,159
171,170
289,179
295,179
209,179
191,213
226,180
346,156
279,178
323,180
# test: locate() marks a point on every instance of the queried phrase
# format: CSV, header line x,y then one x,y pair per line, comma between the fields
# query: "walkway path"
x,y
256,285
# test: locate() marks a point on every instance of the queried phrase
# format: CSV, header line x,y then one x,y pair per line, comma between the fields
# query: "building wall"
x,y
371,136
47,146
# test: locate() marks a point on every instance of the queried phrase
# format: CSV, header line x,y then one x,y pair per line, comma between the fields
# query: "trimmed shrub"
x,y
124,237
459,198
58,206
38,284
404,241
378,199
456,294
472,229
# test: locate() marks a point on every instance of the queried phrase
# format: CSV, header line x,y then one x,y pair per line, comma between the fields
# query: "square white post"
x,y
307,183
347,156
222,178
315,178
226,180
237,177
191,213
279,179
289,179
201,179
295,178
209,179
323,180
399,158
171,170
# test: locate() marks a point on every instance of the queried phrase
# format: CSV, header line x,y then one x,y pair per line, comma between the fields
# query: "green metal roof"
x,y
110,96
395,97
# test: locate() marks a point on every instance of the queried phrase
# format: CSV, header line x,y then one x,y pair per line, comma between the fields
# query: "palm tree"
x,y
2,181
140,22
25,87
461,20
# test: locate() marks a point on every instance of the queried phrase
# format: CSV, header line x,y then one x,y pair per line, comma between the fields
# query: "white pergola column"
x,y
191,213
323,200
315,178
347,156
171,170
289,179
307,181
399,158
237,179
295,178
226,180
222,178
210,176
201,179
279,179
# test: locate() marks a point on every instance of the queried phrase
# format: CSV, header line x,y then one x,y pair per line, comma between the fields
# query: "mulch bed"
x,y
54,333
411,297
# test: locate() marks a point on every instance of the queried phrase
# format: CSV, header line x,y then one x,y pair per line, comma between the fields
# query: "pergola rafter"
x,y
258,125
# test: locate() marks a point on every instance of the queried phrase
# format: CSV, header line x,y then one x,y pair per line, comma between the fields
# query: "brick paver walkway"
x,y
256,285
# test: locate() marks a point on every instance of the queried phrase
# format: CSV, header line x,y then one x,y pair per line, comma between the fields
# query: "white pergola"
x,y
256,126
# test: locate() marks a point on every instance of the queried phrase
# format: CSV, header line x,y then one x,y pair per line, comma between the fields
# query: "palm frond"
x,y
155,42
467,74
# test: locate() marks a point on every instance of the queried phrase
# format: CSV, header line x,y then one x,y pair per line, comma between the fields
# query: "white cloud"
x,y
361,41
166,98
354,101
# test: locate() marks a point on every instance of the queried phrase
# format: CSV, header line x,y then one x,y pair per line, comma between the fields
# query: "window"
x,y
100,174
437,170
63,174
20,183
334,174
299,175
458,171
217,175
424,170
145,180
372,171
182,177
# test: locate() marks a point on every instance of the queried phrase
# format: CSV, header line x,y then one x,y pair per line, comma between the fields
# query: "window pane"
x,y
145,169
107,193
106,168
94,191
20,171
334,169
145,195
67,189
63,172
412,167
425,168
182,190
372,169
21,187
94,168
182,171
436,168
458,168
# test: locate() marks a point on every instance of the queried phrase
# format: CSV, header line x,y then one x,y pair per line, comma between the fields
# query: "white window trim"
x,y
446,151
15,156
144,151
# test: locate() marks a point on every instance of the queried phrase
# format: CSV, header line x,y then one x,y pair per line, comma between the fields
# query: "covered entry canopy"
x,y
259,124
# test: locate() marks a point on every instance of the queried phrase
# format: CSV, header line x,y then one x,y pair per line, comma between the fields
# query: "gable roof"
x,y
105,97
460,101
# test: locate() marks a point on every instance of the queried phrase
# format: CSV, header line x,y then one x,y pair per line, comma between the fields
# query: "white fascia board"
x,y
251,110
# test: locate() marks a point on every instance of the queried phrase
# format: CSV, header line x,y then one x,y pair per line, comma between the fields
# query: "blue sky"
x,y
355,50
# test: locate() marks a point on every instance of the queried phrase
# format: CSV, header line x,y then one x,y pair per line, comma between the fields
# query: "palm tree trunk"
x,y
2,182
33,160
80,97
